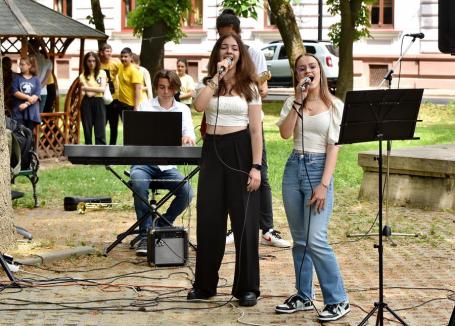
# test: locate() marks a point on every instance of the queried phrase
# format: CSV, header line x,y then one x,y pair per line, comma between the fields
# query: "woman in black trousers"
x,y
93,112
230,172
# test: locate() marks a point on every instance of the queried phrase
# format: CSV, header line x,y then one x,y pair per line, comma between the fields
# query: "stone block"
x,y
418,177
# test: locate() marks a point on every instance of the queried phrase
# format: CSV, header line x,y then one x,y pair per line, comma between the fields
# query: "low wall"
x,y
419,177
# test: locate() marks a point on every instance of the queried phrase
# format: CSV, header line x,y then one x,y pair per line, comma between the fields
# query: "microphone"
x,y
416,35
306,82
222,69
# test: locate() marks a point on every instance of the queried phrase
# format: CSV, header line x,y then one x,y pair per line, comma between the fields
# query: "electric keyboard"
x,y
132,155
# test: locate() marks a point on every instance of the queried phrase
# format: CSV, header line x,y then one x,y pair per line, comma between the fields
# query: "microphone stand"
x,y
387,230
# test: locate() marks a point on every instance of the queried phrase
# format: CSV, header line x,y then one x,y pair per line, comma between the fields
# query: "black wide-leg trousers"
x,y
225,164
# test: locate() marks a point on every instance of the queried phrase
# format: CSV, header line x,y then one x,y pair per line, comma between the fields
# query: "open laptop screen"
x,y
149,128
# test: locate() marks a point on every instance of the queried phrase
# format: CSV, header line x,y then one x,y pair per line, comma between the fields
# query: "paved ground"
x,y
122,289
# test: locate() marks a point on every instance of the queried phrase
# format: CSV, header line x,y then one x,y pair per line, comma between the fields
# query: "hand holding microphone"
x,y
306,82
224,65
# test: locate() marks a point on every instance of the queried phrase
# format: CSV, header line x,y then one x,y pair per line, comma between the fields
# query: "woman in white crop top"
x,y
313,118
229,171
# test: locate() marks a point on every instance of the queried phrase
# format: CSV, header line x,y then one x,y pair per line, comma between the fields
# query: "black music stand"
x,y
379,115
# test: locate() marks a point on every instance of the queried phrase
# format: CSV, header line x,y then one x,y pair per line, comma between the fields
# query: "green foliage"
x,y
149,12
243,8
79,180
361,24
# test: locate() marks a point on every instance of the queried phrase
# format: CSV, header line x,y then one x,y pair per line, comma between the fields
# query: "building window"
x,y
127,7
377,73
193,19
269,20
64,7
382,14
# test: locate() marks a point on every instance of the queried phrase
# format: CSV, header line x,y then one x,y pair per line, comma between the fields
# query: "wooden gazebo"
x,y
23,20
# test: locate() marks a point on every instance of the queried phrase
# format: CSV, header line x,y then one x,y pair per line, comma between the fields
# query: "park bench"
x,y
31,174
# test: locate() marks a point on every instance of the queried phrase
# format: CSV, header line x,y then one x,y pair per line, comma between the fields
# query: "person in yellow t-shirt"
x,y
93,111
111,66
129,81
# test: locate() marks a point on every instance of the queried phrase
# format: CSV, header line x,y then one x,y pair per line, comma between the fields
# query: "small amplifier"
x,y
167,246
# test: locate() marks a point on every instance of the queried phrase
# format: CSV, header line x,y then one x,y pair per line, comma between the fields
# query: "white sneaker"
x,y
13,267
334,311
272,238
229,237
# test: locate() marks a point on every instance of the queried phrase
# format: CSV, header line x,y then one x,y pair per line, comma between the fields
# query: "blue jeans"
x,y
140,181
296,193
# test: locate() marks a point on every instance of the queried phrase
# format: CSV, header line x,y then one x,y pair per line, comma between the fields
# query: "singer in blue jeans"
x,y
312,117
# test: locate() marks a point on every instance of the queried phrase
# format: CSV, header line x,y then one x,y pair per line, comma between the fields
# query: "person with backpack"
x,y
93,111
26,90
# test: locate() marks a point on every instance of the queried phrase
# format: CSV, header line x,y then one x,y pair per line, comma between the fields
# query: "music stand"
x,y
378,115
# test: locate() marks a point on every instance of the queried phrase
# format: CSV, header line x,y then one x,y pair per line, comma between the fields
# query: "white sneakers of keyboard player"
x,y
270,238
273,238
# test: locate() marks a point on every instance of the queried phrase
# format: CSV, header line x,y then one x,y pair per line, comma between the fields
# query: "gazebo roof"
x,y
27,18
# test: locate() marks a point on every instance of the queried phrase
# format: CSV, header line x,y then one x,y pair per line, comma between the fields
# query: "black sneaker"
x,y
141,247
293,304
334,311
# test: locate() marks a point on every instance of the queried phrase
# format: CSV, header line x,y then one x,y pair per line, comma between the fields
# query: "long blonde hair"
x,y
324,91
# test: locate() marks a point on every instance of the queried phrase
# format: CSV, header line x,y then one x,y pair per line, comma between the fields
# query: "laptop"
x,y
148,128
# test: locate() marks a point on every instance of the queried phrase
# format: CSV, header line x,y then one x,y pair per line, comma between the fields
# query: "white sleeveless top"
x,y
232,110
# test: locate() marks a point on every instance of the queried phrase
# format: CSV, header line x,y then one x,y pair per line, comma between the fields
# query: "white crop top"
x,y
318,130
232,110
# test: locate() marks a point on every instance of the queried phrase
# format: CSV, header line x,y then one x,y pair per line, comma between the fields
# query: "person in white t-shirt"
x,y
166,84
188,86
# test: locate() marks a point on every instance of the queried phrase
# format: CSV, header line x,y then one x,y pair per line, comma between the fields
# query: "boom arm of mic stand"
x,y
389,74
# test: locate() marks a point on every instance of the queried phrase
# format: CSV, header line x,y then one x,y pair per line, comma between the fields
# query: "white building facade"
x,y
423,66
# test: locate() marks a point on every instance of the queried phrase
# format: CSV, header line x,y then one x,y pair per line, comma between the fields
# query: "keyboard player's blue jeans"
x,y
141,176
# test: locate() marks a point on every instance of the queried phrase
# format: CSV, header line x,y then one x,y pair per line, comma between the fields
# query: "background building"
x,y
424,66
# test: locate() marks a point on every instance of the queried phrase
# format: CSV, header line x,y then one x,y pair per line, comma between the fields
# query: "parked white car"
x,y
278,63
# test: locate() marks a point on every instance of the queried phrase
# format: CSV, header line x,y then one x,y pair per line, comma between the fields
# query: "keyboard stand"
x,y
153,210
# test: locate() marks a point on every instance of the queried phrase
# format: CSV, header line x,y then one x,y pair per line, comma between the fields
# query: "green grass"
x,y
77,180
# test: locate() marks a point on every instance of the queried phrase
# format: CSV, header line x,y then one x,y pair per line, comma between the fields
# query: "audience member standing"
x,y
26,89
44,70
130,83
93,112
188,86
147,93
111,66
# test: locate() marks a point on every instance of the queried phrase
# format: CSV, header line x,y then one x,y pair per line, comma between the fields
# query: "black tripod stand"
x,y
8,271
387,229
380,115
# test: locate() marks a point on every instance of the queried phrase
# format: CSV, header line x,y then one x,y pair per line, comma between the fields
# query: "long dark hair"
x,y
324,91
97,64
245,73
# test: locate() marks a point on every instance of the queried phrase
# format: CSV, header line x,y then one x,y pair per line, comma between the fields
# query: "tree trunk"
x,y
152,47
289,30
98,18
349,11
6,211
